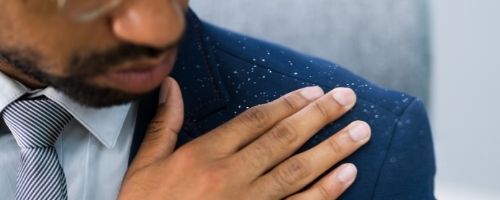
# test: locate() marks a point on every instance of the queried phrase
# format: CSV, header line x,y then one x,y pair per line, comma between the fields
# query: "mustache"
x,y
96,63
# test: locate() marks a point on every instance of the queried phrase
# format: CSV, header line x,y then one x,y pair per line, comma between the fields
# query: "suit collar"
x,y
196,72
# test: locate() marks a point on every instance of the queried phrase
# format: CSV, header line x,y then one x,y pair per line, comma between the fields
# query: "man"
x,y
70,70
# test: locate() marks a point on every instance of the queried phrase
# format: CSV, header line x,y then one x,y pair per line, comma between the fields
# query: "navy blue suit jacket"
x,y
222,73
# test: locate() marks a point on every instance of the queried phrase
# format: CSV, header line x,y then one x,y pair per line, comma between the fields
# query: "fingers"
x,y
331,186
252,123
291,133
161,136
298,171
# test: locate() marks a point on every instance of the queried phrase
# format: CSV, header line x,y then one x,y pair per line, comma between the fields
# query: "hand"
x,y
249,156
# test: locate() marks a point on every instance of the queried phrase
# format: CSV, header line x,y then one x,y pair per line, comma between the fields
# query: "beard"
x,y
82,68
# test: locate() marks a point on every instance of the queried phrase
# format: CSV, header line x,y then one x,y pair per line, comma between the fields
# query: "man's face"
x,y
112,59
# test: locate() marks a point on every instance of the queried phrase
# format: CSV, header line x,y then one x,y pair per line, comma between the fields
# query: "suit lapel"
x,y
202,88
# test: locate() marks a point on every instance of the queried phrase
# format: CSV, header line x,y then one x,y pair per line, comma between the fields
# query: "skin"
x,y
53,41
249,157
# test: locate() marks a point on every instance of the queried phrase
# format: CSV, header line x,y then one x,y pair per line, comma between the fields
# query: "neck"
x,y
16,74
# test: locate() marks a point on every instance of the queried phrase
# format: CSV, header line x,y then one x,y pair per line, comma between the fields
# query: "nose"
x,y
155,23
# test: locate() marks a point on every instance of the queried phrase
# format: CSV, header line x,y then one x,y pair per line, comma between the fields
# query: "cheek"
x,y
51,53
28,50
28,26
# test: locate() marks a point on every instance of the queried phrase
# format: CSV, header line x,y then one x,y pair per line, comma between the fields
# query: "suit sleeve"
x,y
409,166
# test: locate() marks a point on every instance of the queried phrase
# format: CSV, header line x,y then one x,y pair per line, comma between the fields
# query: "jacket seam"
x,y
301,79
389,146
204,53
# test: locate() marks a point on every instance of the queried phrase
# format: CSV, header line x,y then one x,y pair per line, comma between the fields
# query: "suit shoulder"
x,y
308,70
256,71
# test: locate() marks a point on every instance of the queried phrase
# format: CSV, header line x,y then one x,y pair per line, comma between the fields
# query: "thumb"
x,y
161,137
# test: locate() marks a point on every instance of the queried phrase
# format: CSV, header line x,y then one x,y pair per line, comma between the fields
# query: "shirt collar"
x,y
10,90
105,124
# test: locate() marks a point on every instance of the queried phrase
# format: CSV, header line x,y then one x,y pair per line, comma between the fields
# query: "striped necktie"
x,y
36,124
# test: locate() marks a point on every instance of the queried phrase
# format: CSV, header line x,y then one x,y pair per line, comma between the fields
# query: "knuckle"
x,y
284,133
158,121
218,172
257,156
324,192
322,109
155,126
294,171
255,117
159,134
214,178
221,175
158,131
335,147
293,102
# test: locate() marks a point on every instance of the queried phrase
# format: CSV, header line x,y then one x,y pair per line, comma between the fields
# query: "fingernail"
x,y
344,96
164,91
312,93
346,173
359,131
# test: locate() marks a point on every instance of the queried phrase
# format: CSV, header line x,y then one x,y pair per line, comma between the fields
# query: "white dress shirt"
x,y
93,149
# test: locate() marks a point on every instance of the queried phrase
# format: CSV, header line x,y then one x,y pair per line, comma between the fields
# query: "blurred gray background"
x,y
358,34
389,42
